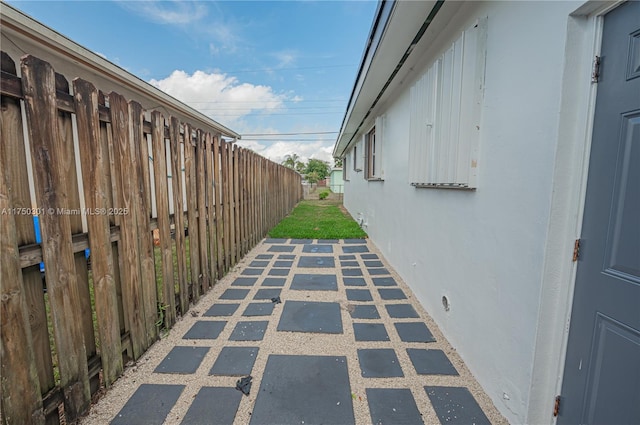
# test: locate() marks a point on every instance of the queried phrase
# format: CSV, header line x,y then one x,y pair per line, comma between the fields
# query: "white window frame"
x,y
445,115
373,158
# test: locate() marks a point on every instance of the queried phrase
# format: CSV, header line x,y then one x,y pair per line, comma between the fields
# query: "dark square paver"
x,y
347,257
304,390
301,241
359,295
249,331
351,272
379,363
369,256
221,310
456,406
264,256
234,361
392,294
349,264
150,404
309,261
281,248
308,316
355,241
252,272
384,281
182,360
203,412
276,240
318,249
354,248
286,257
205,329
373,263
401,311
274,281
259,263
323,241
279,272
431,362
354,281
314,282
393,406
234,294
267,294
259,309
414,332
364,311
378,272
370,332
283,263
244,281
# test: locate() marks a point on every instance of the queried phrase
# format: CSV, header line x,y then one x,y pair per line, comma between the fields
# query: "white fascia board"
x,y
394,38
25,27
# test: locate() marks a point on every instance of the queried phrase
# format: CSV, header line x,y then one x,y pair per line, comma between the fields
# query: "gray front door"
x,y
601,383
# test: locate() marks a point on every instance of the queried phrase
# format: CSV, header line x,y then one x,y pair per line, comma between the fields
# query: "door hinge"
x,y
595,72
556,406
576,250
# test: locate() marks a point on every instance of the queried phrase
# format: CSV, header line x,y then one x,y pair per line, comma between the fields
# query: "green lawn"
x,y
317,220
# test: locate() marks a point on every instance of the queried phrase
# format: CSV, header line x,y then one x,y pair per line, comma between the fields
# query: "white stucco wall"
x,y
483,249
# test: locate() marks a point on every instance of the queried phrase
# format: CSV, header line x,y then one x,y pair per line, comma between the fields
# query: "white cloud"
x,y
277,151
219,96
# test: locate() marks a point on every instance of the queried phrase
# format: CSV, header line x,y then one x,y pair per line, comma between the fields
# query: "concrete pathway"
x,y
301,332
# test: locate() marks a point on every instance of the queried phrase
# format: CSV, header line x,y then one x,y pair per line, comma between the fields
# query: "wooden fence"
x,y
69,330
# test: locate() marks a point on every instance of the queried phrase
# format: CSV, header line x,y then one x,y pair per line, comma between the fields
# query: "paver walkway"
x,y
301,332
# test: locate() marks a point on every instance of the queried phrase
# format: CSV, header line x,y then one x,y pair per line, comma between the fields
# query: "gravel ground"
x,y
292,343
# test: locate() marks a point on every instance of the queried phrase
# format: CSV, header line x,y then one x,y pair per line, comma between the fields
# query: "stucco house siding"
x,y
483,249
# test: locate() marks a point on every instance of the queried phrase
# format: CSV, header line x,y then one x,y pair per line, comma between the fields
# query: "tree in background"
x,y
292,161
316,170
337,162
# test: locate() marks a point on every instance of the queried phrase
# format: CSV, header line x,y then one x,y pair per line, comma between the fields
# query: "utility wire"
x,y
289,134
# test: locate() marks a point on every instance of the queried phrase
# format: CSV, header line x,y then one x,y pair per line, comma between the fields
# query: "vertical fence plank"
x,y
202,210
211,208
21,401
38,86
164,226
224,153
218,205
85,317
139,157
125,197
178,212
95,193
12,139
232,206
192,209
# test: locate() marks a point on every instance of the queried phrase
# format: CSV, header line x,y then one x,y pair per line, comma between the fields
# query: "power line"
x,y
289,134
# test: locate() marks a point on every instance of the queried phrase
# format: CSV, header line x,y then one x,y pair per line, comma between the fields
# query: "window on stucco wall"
x,y
373,151
445,115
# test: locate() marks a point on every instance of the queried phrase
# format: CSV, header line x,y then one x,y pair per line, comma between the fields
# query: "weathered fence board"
x,y
22,401
178,211
192,211
126,189
111,166
96,188
51,184
164,225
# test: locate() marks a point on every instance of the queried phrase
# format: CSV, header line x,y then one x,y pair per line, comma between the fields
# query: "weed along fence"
x,y
139,211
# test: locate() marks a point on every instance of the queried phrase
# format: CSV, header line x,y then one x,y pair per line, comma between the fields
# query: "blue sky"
x,y
259,67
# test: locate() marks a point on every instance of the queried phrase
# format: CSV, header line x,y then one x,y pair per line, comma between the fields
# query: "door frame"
x,y
577,111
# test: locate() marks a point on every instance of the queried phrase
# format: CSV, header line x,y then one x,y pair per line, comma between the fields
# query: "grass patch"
x,y
317,220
